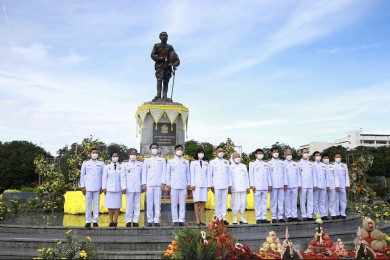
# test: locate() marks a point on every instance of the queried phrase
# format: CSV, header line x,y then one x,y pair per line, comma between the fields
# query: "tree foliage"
x,y
192,146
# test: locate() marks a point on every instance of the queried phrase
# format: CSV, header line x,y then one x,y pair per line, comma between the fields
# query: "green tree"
x,y
191,146
331,151
17,164
229,148
282,148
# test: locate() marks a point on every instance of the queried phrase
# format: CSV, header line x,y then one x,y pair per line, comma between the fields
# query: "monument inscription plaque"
x,y
165,134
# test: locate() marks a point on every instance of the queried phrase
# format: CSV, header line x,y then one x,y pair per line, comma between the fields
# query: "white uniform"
x,y
199,179
178,177
153,175
308,182
278,180
132,182
91,180
321,172
111,182
291,195
330,199
240,184
260,179
220,177
341,170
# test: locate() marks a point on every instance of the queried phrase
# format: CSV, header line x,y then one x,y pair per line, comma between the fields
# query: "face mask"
x,y
179,153
200,155
221,154
237,160
338,159
306,155
114,159
260,156
154,151
275,155
318,158
132,157
326,161
289,157
94,156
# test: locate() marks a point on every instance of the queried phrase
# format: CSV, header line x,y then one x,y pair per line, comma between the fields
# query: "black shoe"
x,y
338,217
95,225
135,224
304,219
334,217
114,224
156,224
198,224
289,219
325,218
150,224
258,221
343,217
175,224
181,224
264,221
310,219
88,225
226,223
128,224
111,225
274,221
243,223
281,220
202,224
294,219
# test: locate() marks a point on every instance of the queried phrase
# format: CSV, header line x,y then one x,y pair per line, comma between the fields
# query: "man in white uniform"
x,y
240,187
321,172
91,186
131,182
260,183
153,182
279,185
341,170
220,181
330,199
178,181
293,182
308,185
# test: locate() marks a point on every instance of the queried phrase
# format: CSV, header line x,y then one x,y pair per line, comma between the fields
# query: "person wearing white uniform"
x,y
341,170
240,187
153,182
308,185
91,187
220,181
111,185
293,182
131,182
278,185
330,199
178,181
321,172
260,183
199,179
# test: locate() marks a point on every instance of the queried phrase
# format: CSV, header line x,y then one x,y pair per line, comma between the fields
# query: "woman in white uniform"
x,y
198,171
111,185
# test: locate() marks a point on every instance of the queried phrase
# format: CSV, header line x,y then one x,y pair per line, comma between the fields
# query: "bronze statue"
x,y
166,62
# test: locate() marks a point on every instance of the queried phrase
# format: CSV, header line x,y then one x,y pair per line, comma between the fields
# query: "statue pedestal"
x,y
161,122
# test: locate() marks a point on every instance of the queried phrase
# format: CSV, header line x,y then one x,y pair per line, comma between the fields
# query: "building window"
x,y
381,142
368,141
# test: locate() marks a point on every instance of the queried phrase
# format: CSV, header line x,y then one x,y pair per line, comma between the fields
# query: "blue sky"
x,y
258,72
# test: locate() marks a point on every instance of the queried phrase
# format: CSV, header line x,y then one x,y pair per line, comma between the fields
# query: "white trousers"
x,y
178,197
133,201
277,199
306,201
341,202
238,202
220,202
330,202
291,202
153,198
319,202
89,197
260,197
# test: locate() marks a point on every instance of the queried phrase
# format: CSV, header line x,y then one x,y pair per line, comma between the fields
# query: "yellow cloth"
x,y
75,203
250,203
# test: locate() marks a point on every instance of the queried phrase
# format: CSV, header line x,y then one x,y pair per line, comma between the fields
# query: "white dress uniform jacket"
x,y
220,176
292,174
199,175
259,175
277,173
178,173
154,171
321,175
240,178
306,174
341,170
332,177
112,177
131,176
91,175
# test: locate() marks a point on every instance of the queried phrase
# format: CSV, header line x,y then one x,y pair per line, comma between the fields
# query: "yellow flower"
x,y
59,243
40,250
83,254
377,215
89,238
376,206
68,232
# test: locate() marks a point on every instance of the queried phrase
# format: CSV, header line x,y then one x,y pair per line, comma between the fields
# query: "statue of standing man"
x,y
166,62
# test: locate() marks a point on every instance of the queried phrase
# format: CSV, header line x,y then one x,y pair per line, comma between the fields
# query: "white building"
x,y
316,146
355,138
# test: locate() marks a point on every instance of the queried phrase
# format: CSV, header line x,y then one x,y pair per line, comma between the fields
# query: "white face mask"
x,y
132,157
326,161
237,160
338,159
275,155
318,158
201,155
94,156
260,156
289,157
154,151
306,155
114,159
179,153
221,154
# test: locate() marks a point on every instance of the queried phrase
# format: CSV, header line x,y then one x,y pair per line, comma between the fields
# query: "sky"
x,y
259,72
